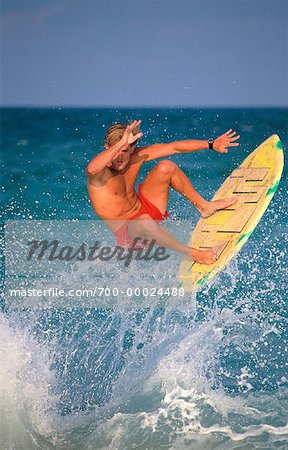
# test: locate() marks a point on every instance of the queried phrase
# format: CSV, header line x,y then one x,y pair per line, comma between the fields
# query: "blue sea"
x,y
212,374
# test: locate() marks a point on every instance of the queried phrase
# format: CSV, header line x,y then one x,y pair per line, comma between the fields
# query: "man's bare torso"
x,y
112,194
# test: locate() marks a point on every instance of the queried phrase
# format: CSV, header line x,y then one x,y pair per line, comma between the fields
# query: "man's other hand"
x,y
226,140
131,134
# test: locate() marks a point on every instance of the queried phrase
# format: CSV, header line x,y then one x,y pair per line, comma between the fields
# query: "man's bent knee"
x,y
166,167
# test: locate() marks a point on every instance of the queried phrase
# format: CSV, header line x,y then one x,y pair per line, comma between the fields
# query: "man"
x,y
112,175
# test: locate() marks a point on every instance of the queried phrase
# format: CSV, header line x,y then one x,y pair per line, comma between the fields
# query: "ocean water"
x,y
209,373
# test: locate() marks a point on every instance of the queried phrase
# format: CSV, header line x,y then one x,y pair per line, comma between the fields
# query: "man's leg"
x,y
146,228
165,174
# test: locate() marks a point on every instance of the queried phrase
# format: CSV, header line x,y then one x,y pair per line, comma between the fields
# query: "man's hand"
x,y
131,133
226,140
129,137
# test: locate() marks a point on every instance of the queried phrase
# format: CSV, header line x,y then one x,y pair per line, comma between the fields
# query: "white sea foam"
x,y
169,389
25,393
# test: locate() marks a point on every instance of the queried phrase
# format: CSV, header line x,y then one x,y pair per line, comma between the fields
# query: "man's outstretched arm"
x,y
220,145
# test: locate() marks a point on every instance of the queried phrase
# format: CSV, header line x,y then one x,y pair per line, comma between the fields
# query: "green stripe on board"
x,y
273,188
279,145
203,280
244,236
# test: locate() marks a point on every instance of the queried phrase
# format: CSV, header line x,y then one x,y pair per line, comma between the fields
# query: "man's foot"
x,y
204,256
217,205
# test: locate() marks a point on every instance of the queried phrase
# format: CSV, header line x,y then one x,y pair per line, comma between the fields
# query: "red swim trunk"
x,y
122,235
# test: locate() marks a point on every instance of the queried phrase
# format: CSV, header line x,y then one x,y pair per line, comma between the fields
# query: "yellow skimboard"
x,y
254,183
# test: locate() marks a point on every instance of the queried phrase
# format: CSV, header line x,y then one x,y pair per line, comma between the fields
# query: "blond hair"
x,y
115,133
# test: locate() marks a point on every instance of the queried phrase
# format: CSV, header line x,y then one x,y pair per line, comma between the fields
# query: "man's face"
x,y
121,161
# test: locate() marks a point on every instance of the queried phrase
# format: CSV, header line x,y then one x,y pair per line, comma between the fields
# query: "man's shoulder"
x,y
138,155
140,149
100,177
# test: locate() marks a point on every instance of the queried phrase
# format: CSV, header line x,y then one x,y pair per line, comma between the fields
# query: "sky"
x,y
132,53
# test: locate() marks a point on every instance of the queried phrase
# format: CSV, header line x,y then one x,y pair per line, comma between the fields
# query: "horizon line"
x,y
143,106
